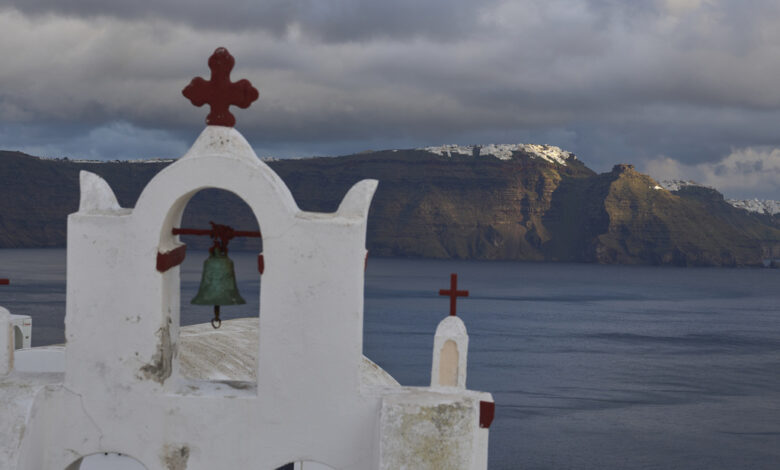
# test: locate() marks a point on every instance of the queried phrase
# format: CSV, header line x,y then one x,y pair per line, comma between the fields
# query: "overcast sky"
x,y
680,88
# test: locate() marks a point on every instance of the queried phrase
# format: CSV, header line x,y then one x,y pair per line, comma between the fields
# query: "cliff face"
x,y
439,206
37,195
624,217
692,226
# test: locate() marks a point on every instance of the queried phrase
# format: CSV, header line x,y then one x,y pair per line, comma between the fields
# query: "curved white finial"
x,y
96,195
358,199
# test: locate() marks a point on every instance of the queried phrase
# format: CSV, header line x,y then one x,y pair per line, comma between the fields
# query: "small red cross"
x,y
220,92
453,293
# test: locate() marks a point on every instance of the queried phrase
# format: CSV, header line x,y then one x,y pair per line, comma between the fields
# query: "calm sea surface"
x,y
591,367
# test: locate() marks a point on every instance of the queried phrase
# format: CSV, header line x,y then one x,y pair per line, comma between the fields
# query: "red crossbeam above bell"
x,y
453,293
221,234
209,232
219,92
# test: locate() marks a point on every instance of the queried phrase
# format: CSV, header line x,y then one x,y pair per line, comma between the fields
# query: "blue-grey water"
x,y
591,367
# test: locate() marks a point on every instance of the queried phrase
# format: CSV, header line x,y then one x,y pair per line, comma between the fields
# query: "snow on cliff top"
x,y
548,153
757,205
751,205
676,185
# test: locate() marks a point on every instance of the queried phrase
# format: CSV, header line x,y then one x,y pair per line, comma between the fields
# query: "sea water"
x,y
591,367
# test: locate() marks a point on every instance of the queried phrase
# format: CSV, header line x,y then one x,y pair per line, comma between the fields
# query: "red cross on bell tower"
x,y
453,293
219,92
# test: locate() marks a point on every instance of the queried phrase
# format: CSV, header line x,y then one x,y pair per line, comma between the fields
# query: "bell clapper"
x,y
216,322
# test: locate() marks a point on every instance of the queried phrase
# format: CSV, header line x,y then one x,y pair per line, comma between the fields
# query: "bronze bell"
x,y
218,284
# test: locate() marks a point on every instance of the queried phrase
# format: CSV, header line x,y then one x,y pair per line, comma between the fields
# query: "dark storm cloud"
x,y
330,20
691,82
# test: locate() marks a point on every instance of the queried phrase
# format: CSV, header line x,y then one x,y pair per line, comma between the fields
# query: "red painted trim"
x,y
166,261
454,293
487,411
212,232
260,263
221,234
246,233
4,282
191,231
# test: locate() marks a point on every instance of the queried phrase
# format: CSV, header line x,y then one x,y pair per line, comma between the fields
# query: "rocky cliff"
x,y
521,203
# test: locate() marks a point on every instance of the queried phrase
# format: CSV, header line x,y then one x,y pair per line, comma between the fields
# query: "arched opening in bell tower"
x,y
222,208
204,353
18,338
106,461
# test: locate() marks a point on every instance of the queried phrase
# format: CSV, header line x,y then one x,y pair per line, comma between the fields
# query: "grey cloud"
x,y
744,173
112,141
329,20
613,81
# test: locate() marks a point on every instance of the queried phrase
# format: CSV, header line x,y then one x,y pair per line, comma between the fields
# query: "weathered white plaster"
x,y
448,369
45,359
97,196
230,353
6,342
133,381
423,429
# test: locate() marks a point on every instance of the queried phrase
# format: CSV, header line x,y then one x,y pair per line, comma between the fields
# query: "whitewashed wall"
x,y
123,392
